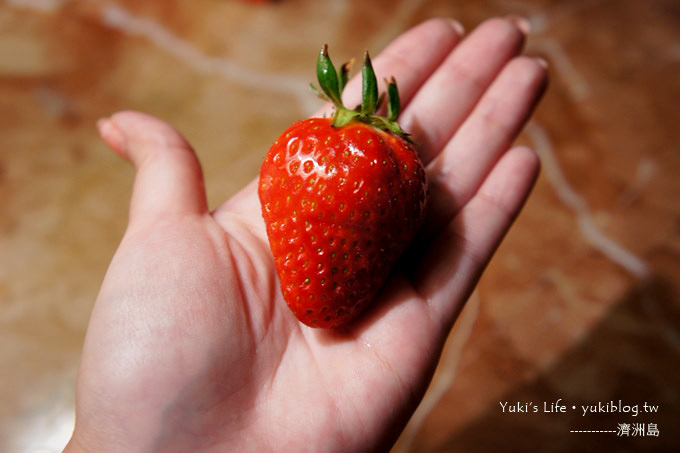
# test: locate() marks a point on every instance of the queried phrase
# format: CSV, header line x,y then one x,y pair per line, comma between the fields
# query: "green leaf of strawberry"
x,y
342,198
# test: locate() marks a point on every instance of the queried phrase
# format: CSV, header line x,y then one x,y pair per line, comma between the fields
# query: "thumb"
x,y
169,179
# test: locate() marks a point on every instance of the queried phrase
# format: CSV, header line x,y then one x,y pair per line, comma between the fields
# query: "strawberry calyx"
x,y
332,83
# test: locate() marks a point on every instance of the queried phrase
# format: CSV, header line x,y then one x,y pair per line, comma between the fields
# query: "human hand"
x,y
190,346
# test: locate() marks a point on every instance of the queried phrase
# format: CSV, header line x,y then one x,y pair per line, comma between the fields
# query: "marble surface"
x,y
580,305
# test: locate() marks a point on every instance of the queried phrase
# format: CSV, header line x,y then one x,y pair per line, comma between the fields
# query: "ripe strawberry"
x,y
341,199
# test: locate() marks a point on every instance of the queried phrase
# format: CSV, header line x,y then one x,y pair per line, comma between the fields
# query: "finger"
x,y
410,58
168,180
457,255
495,122
447,98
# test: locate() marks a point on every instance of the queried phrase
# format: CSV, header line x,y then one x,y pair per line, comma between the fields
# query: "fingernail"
x,y
520,22
112,135
542,61
460,29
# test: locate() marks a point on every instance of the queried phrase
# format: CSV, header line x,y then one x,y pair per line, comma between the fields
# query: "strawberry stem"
x,y
333,82
393,103
343,74
328,78
369,93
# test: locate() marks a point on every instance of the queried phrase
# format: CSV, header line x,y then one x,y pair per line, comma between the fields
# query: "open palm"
x,y
190,345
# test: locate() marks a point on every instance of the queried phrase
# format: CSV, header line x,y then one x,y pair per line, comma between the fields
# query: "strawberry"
x,y
342,198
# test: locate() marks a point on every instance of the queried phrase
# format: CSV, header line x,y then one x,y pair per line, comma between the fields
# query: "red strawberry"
x,y
341,199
